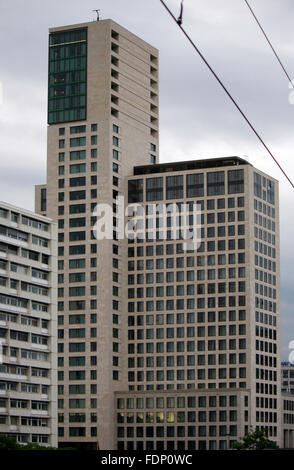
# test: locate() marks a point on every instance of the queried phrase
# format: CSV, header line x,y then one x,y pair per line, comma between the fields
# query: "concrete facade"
x,y
120,131
28,326
207,320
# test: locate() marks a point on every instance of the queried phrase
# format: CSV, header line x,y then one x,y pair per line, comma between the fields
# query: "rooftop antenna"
x,y
98,14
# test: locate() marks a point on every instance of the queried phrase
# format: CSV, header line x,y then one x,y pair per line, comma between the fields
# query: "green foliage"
x,y
10,443
255,440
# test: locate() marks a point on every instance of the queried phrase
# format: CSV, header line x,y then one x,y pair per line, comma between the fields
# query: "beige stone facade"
x,y
208,320
28,326
120,131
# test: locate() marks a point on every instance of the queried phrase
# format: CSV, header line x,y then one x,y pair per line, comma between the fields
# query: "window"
x,y
235,181
195,185
77,250
79,181
77,129
77,141
76,195
154,189
77,208
77,155
174,187
215,183
77,263
257,185
270,192
78,168
135,190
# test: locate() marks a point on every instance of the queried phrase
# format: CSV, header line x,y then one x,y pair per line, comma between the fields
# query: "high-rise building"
x,y
28,326
103,120
203,326
160,347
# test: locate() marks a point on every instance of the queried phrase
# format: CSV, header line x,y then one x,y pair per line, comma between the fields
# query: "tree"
x,y
255,440
10,443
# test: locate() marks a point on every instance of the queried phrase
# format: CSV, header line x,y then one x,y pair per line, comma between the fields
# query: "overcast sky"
x,y
197,120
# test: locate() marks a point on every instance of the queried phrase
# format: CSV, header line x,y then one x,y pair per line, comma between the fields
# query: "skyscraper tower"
x,y
102,120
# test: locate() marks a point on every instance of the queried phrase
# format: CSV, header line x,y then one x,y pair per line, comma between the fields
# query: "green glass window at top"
x,y
67,76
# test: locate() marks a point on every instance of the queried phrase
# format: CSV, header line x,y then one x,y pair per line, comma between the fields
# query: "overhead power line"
x,y
227,92
269,42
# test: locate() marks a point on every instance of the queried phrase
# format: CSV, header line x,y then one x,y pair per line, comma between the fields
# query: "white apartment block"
x,y
28,326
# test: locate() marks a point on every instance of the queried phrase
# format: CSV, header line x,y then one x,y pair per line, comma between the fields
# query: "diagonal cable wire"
x,y
269,42
227,92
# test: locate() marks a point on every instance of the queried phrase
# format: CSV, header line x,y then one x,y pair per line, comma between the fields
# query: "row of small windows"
x,y
219,245
266,318
24,286
209,260
23,236
264,249
171,417
150,224
189,317
171,445
265,291
23,303
77,168
191,332
78,181
215,186
179,276
81,141
265,263
17,218
182,304
179,402
181,346
265,304
264,332
190,289
183,207
265,346
266,389
264,360
78,129
189,360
